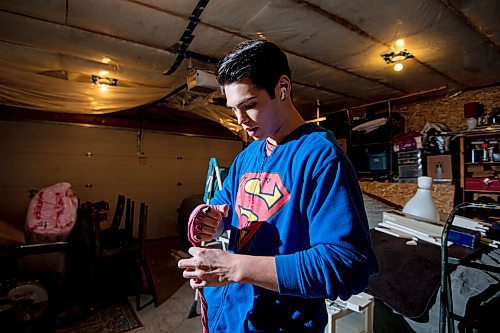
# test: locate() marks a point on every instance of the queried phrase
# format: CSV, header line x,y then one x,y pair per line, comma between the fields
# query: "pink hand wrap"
x,y
195,219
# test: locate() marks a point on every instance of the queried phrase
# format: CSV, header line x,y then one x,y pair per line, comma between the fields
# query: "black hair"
x,y
259,60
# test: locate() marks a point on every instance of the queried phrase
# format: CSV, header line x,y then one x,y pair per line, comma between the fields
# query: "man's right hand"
x,y
204,222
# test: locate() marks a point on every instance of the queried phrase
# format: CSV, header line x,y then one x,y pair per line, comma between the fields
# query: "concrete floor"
x,y
171,316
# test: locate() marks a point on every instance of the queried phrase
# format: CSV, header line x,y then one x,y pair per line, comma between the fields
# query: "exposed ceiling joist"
x,y
476,28
332,91
352,27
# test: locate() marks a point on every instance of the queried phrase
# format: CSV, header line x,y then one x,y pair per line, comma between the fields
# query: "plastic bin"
x,y
410,170
377,161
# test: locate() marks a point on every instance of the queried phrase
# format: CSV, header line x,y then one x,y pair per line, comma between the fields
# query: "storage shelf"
x,y
482,163
370,144
483,168
483,191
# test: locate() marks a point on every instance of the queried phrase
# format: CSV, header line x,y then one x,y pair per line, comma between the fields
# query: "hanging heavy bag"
x,y
51,214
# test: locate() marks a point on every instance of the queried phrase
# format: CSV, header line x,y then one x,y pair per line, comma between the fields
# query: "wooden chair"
x,y
117,248
113,235
143,264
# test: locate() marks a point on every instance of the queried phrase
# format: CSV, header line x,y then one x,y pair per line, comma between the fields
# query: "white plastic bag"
x,y
51,214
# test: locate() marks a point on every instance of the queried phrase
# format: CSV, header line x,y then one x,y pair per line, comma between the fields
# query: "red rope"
x,y
204,319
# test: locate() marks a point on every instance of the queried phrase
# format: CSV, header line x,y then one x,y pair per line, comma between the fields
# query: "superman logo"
x,y
260,196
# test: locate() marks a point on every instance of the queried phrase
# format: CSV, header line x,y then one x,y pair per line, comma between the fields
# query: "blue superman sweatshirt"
x,y
302,204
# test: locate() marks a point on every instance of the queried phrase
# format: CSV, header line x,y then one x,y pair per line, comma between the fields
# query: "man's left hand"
x,y
209,267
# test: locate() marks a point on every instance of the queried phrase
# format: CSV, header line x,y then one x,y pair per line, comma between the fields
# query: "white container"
x,y
471,123
421,204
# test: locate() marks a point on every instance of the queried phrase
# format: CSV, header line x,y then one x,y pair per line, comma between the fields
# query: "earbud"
x,y
282,95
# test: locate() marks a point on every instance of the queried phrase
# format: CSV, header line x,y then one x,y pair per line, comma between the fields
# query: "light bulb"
x,y
103,73
398,67
105,60
400,42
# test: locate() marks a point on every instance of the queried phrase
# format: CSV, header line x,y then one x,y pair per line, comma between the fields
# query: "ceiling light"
x,y
400,42
104,81
260,35
103,73
393,57
105,60
396,58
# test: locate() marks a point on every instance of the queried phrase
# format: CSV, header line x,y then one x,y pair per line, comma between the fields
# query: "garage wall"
x,y
101,163
448,109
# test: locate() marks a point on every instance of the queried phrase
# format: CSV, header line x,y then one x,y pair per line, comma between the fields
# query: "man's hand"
x,y
204,222
215,268
209,267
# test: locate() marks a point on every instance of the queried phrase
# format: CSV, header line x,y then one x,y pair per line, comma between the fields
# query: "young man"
x,y
299,232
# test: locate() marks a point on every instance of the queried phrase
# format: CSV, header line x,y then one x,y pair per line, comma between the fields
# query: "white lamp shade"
x,y
421,204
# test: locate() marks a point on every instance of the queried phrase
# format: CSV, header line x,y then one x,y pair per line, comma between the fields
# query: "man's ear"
x,y
284,84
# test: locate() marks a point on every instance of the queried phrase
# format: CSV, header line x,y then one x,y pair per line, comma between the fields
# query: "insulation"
x,y
50,49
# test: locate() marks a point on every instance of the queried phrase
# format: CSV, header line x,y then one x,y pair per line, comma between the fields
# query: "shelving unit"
x,y
410,165
362,148
479,169
370,144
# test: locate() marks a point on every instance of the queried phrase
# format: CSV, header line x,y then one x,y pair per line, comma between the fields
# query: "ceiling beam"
x,y
354,28
117,120
477,29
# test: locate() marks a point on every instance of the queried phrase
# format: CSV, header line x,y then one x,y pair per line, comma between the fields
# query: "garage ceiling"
x,y
50,49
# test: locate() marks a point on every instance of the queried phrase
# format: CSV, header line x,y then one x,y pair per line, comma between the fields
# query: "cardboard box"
x,y
435,162
356,114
